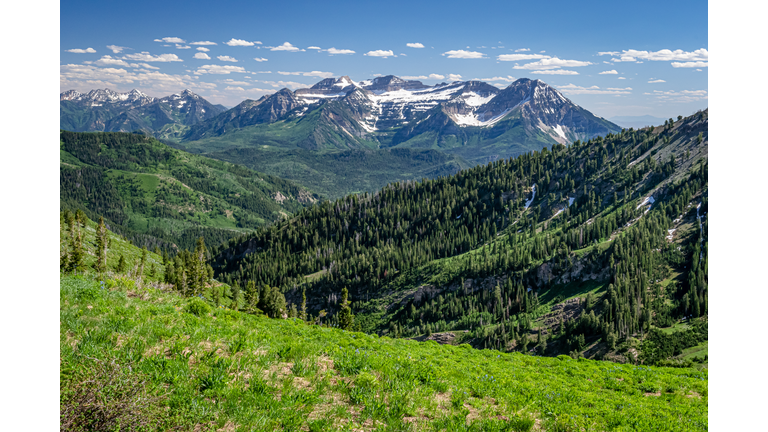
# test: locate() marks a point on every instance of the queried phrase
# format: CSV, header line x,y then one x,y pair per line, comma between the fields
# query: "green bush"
x,y
197,306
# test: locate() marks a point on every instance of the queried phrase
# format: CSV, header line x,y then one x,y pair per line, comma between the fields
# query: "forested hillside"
x,y
579,249
159,196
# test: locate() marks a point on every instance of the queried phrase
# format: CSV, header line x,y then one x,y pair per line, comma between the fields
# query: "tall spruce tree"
x,y
346,319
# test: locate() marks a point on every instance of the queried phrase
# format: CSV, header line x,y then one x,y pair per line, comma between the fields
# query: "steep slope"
x,y
502,250
157,195
180,365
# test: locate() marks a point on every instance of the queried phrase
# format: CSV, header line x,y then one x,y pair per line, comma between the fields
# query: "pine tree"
x,y
142,262
346,319
102,239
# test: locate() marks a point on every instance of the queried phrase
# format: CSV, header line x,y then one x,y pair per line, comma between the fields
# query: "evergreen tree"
x,y
102,240
346,319
303,314
121,265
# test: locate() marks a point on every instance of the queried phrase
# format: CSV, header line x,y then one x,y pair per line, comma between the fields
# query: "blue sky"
x,y
613,58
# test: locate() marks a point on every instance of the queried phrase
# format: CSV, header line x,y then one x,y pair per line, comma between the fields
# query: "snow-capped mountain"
x,y
110,111
390,111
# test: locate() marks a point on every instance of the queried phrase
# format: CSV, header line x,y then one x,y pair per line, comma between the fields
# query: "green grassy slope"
x,y
157,361
158,195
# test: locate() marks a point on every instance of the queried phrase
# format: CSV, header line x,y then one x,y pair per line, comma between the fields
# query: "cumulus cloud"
x,y
240,42
147,57
84,77
339,51
260,59
656,81
555,72
88,50
227,59
230,81
314,48
579,90
415,45
202,56
203,43
312,74
508,78
552,63
110,61
183,46
203,49
380,53
698,64
230,88
679,96
286,46
700,54
454,77
608,72
518,57
522,49
461,54
219,69
117,49
425,77
622,78
171,40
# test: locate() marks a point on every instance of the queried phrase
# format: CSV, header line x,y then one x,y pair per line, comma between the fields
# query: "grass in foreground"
x,y
145,359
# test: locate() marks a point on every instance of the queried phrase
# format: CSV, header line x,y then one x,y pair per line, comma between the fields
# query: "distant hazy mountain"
x,y
109,111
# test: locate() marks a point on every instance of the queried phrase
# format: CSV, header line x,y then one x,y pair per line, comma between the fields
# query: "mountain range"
x,y
297,134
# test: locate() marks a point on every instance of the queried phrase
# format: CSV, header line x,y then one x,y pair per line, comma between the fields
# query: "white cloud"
x,y
522,49
609,72
202,56
116,49
286,46
183,46
552,63
461,54
415,45
227,59
622,78
147,57
219,69
203,43
679,96
240,42
555,72
454,77
314,48
88,50
380,53
312,74
203,49
171,40
339,51
230,81
82,77
508,78
698,64
700,54
260,59
656,81
144,65
230,88
110,61
578,90
518,57
425,77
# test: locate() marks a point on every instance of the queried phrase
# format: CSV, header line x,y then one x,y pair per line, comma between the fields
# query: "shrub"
x,y
197,306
